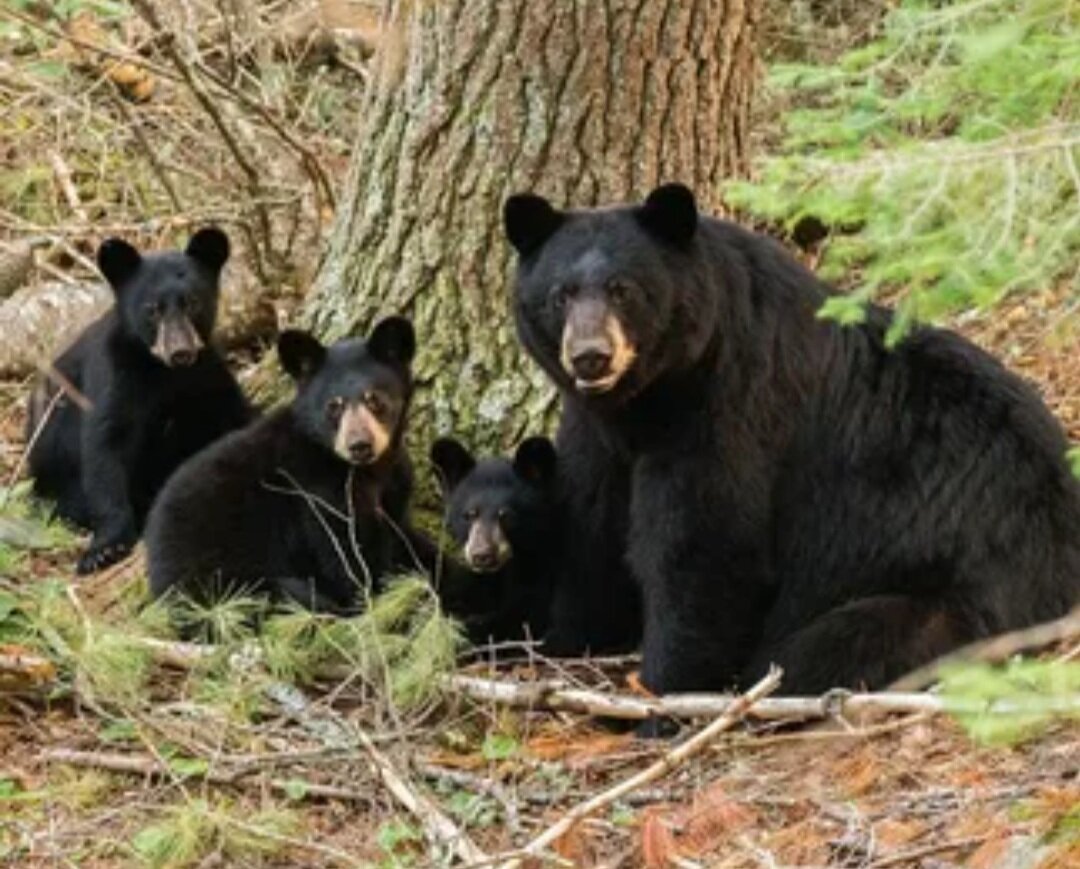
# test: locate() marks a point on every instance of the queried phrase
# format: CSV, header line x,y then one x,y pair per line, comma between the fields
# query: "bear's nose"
x,y
484,559
591,364
181,358
361,452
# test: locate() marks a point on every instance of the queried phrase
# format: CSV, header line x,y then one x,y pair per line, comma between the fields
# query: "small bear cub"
x,y
143,390
502,515
308,504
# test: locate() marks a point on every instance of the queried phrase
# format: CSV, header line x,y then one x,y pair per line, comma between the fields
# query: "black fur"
x,y
784,489
265,510
510,600
104,467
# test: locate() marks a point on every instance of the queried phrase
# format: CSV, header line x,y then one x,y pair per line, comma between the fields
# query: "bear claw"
x,y
99,557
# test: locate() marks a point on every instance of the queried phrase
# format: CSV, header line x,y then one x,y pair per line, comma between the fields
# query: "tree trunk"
x,y
582,101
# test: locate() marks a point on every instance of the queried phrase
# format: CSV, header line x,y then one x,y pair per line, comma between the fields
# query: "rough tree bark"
x,y
583,101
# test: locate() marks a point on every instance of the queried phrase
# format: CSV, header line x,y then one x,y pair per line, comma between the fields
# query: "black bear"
x,y
154,390
502,515
309,503
783,489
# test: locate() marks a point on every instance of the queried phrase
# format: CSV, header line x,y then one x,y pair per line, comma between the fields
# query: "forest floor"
x,y
113,755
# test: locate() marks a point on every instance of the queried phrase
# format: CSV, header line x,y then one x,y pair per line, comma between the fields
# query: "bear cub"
x,y
308,504
502,515
143,389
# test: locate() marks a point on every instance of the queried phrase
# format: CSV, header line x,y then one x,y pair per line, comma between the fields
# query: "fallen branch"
x,y
666,764
557,696
440,830
994,650
150,767
833,704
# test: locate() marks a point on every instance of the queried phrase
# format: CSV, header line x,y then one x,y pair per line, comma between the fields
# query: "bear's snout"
x,y
596,351
177,343
361,439
487,548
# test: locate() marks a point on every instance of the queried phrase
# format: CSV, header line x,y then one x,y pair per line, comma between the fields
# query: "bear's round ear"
x,y
452,461
118,261
535,461
210,246
670,213
300,353
393,341
529,221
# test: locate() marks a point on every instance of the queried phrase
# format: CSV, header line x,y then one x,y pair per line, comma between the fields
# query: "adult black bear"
x,y
309,503
502,514
794,491
157,393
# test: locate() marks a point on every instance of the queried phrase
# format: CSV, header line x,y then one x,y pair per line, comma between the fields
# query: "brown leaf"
x,y
563,746
657,841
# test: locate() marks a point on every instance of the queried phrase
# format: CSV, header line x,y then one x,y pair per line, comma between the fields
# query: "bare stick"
x,y
439,828
25,454
994,650
669,762
67,186
150,767
834,704
251,174
135,125
911,856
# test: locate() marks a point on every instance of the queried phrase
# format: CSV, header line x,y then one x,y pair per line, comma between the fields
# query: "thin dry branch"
x,y
251,174
669,762
834,704
62,172
994,650
150,767
439,829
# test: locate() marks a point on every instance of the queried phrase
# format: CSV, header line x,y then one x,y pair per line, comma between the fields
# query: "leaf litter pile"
x,y
322,742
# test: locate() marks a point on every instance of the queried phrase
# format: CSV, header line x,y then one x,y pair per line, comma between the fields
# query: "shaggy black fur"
x,y
158,393
782,489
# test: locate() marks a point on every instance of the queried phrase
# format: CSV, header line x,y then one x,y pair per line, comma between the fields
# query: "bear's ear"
x,y
529,221
301,353
452,461
670,213
393,341
118,261
210,246
535,461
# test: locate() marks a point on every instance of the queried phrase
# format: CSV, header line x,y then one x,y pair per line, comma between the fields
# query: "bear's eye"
x,y
560,295
471,514
189,305
154,310
618,290
503,514
375,404
335,407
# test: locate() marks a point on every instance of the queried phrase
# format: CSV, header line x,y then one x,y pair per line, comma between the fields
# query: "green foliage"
x,y
189,833
399,841
1074,460
401,644
942,157
1003,705
499,746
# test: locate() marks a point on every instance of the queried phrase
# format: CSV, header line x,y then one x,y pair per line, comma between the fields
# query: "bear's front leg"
x,y
702,579
106,452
